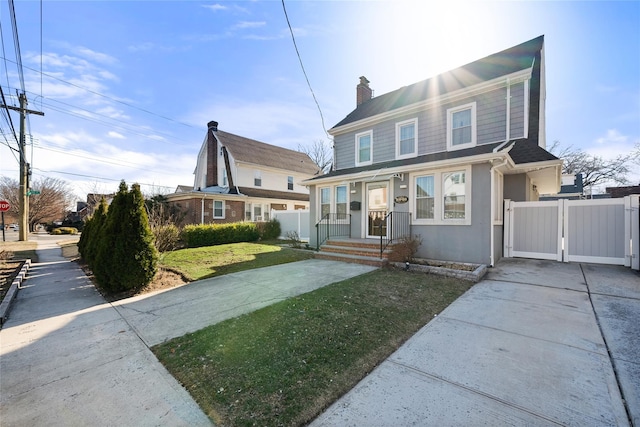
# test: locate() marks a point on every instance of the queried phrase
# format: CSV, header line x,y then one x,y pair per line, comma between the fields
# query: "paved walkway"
x,y
523,347
68,358
536,343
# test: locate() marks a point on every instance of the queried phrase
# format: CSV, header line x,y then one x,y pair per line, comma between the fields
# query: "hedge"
x,y
195,236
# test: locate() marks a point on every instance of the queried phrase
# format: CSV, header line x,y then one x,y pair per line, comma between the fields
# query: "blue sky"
x,y
127,87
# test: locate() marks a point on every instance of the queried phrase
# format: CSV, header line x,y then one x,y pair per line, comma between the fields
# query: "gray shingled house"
x,y
437,158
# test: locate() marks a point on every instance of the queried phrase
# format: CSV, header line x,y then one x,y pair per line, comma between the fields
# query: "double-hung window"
x,y
224,177
425,197
453,191
218,209
325,201
257,178
364,148
461,127
341,201
406,144
441,197
335,201
289,183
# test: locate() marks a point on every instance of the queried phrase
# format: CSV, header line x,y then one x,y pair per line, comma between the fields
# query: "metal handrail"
x,y
332,225
397,229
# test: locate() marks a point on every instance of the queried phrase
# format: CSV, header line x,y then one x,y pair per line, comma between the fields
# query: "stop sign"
x,y
4,206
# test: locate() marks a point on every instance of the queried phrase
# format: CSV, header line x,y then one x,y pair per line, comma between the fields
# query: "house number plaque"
x,y
401,199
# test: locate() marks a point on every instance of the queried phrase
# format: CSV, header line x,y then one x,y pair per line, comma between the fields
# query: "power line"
x,y
100,178
324,128
106,96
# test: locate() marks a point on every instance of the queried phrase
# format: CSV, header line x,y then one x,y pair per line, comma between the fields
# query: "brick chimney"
x,y
363,91
212,155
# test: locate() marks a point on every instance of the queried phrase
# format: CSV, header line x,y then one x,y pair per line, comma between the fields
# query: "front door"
x,y
377,208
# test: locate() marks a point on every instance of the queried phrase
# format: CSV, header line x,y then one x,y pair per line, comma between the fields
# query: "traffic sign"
x,y
32,192
4,206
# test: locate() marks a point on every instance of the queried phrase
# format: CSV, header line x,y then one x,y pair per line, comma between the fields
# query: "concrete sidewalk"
x,y
523,347
69,358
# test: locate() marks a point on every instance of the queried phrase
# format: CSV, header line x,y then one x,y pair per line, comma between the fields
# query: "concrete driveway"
x,y
536,343
68,358
529,345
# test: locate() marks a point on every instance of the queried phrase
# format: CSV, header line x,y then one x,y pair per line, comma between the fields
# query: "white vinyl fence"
x,y
605,231
290,221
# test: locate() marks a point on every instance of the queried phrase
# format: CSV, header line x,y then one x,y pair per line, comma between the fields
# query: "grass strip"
x,y
21,250
283,364
201,263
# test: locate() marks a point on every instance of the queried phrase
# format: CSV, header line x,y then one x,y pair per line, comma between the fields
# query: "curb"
x,y
5,306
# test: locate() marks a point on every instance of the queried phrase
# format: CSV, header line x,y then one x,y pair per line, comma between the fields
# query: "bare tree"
x,y
50,205
595,170
320,152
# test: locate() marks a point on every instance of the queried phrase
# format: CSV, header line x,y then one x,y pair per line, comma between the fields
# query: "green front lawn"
x,y
284,364
210,261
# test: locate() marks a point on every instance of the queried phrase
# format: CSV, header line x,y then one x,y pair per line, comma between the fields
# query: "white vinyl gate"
x,y
602,231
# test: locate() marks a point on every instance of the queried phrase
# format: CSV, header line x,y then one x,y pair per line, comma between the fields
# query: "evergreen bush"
x,y
126,257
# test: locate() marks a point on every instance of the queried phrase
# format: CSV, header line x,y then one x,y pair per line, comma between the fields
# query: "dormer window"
x,y
406,145
364,148
225,182
461,127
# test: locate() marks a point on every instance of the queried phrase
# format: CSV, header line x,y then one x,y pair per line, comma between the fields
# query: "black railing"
x,y
332,225
398,225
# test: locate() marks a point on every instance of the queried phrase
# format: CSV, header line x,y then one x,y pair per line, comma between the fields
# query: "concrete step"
x,y
354,259
353,250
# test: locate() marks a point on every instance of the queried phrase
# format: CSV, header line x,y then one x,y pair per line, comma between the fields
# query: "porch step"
x,y
354,259
358,251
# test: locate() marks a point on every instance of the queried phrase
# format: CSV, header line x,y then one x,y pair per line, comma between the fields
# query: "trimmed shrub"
x,y
195,236
64,230
269,230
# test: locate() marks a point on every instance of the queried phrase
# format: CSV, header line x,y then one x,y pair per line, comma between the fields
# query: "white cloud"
x,y
613,136
214,7
115,135
249,24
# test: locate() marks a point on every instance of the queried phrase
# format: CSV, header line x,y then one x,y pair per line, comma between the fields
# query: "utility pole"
x,y
23,235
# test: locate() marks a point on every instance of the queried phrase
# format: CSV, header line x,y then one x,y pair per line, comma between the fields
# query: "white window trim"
x,y
214,209
450,112
415,139
357,144
438,210
332,199
293,185
257,175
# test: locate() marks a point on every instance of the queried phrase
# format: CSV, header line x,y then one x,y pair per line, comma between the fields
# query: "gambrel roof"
x,y
499,64
246,150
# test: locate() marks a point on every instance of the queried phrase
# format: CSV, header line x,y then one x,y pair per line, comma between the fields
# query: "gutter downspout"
x,y
202,211
493,209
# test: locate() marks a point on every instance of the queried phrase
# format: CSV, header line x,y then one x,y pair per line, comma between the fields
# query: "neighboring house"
x,y
619,192
571,188
240,179
439,156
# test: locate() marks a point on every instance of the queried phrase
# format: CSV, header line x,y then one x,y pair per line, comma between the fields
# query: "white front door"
x,y
377,204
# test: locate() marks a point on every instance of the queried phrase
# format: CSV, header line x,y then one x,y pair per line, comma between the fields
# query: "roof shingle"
x,y
251,151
